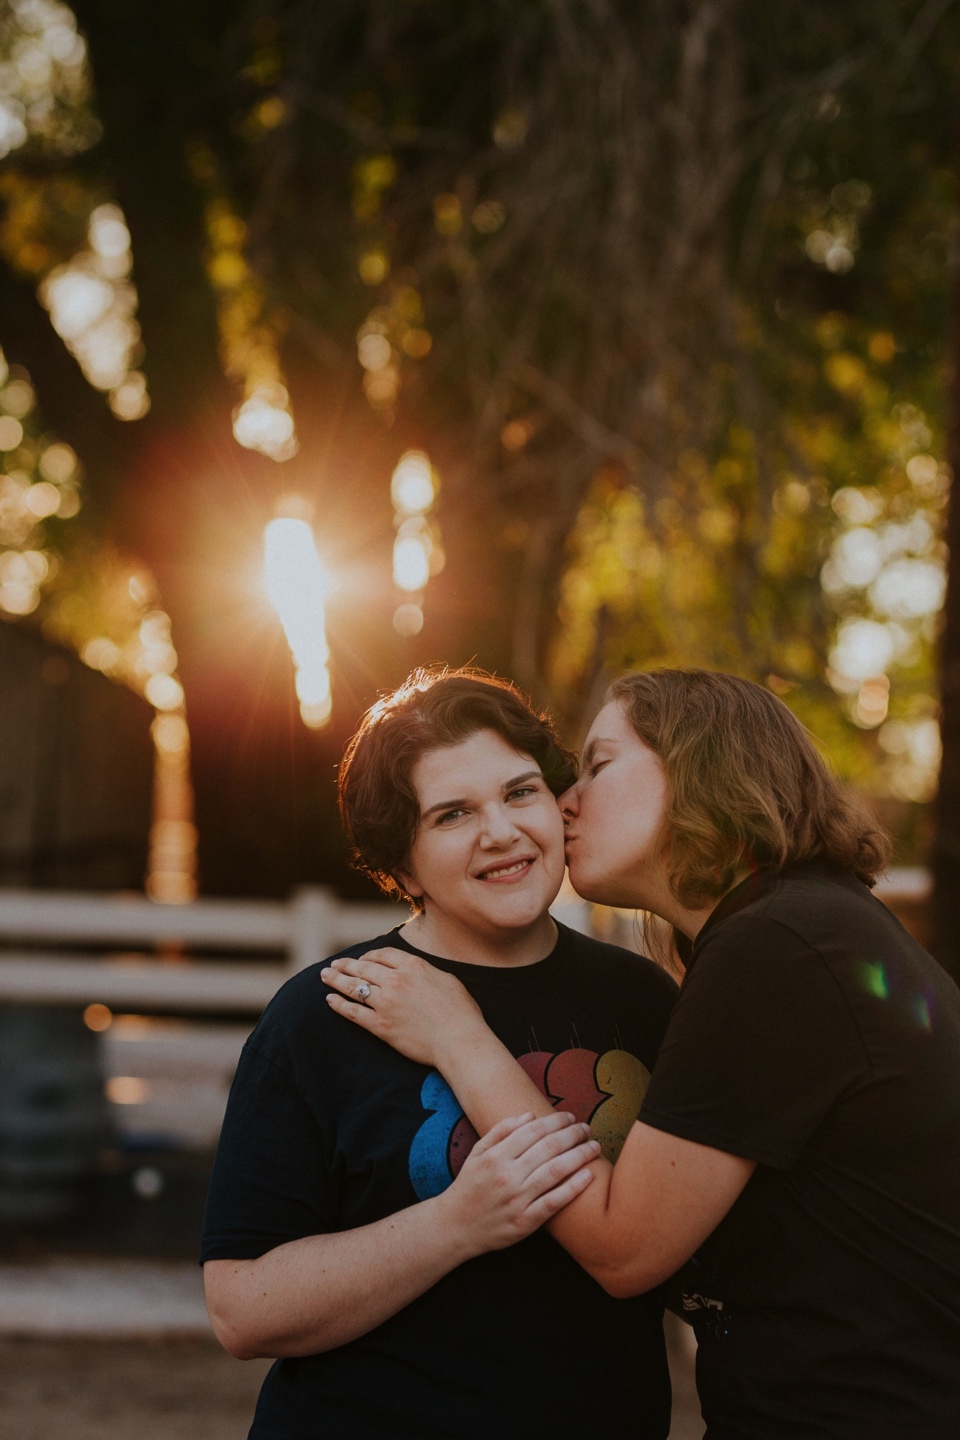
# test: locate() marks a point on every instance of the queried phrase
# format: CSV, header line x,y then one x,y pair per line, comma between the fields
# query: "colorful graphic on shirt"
x,y
605,1090
570,1082
429,1154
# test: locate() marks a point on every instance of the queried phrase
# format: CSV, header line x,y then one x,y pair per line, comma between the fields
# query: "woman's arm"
x,y
638,1221
313,1294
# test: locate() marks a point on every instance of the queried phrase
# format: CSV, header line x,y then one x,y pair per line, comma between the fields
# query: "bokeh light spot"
x,y
864,649
126,1090
11,432
164,692
411,488
297,586
408,620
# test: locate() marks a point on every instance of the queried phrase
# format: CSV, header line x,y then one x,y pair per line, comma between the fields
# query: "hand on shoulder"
x,y
401,998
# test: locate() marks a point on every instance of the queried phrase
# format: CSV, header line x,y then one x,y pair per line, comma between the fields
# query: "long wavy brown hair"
x,y
748,786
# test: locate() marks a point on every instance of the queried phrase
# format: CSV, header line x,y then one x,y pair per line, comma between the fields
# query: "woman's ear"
x,y
411,884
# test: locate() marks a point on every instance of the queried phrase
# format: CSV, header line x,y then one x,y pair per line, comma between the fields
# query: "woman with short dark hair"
x,y
800,1137
433,708
391,1317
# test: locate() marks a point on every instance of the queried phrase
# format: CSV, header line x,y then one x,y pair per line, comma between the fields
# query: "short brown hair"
x,y
432,708
747,783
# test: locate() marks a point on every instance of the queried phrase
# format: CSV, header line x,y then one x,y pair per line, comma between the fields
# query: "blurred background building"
x,y
76,771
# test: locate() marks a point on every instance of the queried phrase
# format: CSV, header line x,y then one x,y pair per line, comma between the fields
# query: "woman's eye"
x,y
522,791
596,766
450,815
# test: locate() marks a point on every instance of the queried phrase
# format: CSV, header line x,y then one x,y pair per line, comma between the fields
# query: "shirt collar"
x,y
758,883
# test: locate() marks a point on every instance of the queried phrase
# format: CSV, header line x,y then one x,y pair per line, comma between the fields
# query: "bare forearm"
x,y
637,1222
317,1293
489,1084
486,1078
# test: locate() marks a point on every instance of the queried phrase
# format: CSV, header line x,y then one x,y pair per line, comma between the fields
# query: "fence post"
x,y
312,926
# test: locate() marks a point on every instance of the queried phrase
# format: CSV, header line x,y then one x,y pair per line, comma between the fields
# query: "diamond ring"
x,y
362,991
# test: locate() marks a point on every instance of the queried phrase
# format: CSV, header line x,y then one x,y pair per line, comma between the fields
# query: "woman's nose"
x,y
569,802
499,826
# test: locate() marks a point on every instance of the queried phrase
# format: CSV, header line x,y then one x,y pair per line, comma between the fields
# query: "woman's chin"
x,y
589,887
602,890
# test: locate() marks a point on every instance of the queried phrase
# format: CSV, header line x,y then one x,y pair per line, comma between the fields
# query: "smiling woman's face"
x,y
488,853
616,817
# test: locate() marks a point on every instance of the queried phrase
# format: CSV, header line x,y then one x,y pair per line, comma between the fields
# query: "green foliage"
x,y
659,282
662,289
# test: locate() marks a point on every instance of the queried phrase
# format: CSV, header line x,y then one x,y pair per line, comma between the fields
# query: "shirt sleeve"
x,y
269,1184
760,1047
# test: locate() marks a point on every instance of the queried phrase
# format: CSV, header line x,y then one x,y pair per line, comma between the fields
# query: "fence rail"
x,y
38,978
312,925
903,884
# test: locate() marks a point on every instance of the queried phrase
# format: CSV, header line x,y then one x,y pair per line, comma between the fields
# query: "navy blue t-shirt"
x,y
328,1129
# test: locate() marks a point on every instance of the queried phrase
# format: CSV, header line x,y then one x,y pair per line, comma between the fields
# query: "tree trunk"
x,y
946,844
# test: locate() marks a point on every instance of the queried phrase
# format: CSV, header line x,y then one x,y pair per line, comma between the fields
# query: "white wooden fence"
x,y
169,1076
152,963
312,925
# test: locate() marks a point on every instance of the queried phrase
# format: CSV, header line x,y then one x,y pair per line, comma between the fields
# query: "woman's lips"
x,y
507,871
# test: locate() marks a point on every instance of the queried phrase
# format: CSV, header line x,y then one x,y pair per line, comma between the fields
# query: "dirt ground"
x,y
169,1390
95,1390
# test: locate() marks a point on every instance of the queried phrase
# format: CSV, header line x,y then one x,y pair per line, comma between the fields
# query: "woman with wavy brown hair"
x,y
797,1154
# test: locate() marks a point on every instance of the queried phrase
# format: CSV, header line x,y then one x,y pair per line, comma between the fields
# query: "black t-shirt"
x,y
814,1036
328,1129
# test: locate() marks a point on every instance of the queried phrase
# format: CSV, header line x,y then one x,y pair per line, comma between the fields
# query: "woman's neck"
x,y
691,922
505,949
